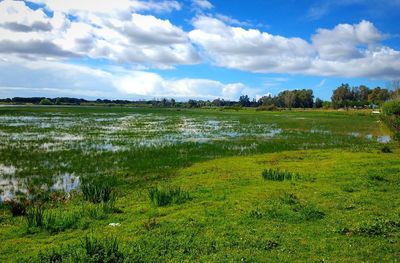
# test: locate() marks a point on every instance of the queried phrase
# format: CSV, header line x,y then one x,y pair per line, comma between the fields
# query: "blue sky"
x,y
134,49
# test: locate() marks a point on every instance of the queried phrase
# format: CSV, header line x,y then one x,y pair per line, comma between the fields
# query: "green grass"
x,y
166,196
344,208
276,175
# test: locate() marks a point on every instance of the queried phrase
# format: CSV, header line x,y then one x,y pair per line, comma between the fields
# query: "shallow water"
x,y
11,187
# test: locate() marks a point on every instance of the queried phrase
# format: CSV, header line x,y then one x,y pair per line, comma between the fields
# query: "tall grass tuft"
x,y
102,250
97,190
277,175
167,196
35,216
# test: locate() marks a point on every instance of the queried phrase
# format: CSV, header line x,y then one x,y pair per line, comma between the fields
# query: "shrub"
x,y
277,175
164,197
270,107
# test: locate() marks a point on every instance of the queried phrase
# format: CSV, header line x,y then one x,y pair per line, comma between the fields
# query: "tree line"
x,y
343,96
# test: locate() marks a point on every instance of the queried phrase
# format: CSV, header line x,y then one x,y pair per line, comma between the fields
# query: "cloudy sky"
x,y
133,49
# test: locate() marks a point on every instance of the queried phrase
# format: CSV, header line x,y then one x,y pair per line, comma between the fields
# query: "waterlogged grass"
x,y
344,207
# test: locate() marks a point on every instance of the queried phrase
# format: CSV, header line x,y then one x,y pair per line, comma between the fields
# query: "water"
x,y
12,187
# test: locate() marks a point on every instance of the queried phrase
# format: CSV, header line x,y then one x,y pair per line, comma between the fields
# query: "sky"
x,y
200,49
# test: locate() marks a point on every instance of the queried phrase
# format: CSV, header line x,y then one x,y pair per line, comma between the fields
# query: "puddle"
x,y
7,170
384,139
11,187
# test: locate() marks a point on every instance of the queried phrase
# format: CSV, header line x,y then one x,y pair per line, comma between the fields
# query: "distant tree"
x,y
58,101
192,103
378,96
266,100
45,101
288,98
394,87
342,96
244,101
318,103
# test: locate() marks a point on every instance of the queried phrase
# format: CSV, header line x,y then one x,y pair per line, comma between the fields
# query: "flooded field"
x,y
164,181
53,148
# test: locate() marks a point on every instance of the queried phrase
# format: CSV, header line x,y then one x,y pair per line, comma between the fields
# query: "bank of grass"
x,y
343,214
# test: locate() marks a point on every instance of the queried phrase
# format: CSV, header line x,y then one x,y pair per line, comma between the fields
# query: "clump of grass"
x,y
166,196
35,216
257,214
271,244
57,222
91,249
102,250
386,149
53,222
17,207
277,175
376,227
290,199
311,213
377,178
150,224
97,190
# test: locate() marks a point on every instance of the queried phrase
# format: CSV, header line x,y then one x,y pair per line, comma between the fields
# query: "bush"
x,y
164,197
391,107
270,107
276,175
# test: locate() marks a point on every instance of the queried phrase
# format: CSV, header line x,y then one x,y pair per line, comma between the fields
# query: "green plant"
x,y
35,216
102,250
290,199
277,175
97,190
166,196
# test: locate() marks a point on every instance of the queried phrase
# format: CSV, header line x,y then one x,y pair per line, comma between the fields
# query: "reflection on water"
x,y
384,139
11,187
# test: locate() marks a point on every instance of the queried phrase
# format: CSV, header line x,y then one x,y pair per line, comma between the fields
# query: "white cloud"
x,y
108,7
131,38
202,4
53,78
346,50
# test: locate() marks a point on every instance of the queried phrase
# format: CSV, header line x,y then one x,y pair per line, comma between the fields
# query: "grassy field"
x,y
197,185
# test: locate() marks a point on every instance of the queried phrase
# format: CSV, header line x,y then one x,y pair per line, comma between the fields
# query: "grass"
x,y
166,196
98,189
217,157
276,175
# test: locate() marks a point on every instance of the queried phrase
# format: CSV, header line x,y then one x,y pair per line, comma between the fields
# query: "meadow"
x,y
120,184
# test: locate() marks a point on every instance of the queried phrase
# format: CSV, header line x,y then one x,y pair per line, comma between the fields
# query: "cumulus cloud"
x,y
346,50
107,30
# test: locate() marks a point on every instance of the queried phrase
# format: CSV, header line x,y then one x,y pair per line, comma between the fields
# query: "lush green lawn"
x,y
343,206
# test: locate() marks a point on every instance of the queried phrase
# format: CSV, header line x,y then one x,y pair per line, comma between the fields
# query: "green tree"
x,y
45,101
342,96
244,101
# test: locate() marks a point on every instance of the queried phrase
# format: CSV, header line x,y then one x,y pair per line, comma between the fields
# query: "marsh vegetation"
x,y
147,185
